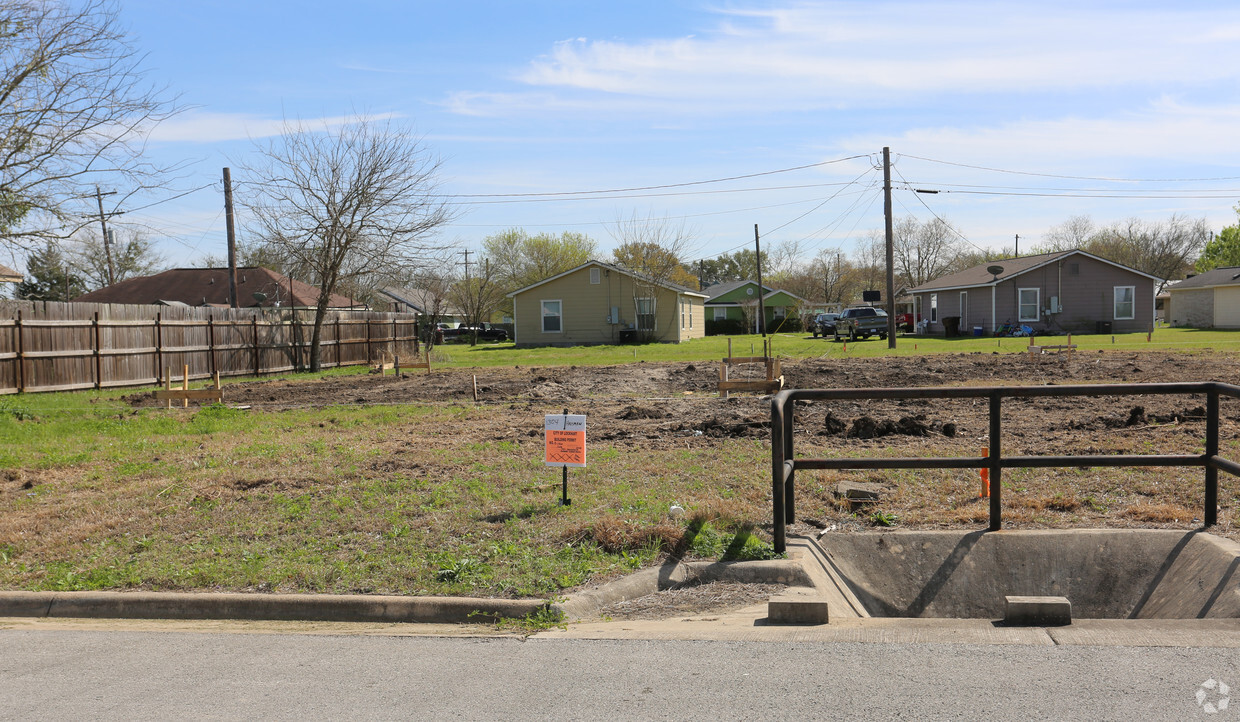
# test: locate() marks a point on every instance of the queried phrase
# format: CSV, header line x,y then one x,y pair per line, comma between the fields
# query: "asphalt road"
x,y
50,674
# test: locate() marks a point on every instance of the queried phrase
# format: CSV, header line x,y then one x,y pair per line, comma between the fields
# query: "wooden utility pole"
x,y
891,275
232,240
107,242
757,257
1018,245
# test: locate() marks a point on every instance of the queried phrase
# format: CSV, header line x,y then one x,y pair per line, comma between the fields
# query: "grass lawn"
x,y
803,345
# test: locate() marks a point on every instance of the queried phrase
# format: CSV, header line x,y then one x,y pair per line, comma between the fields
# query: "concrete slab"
x,y
788,609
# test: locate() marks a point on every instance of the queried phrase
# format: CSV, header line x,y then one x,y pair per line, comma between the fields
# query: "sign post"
x,y
565,444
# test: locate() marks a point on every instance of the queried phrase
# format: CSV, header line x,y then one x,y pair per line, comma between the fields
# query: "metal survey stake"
x,y
565,444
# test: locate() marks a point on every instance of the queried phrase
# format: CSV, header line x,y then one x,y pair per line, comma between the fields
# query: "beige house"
x,y
598,303
1206,300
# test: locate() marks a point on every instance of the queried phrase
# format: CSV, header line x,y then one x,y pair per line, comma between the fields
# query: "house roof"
x,y
420,299
684,290
209,287
978,276
8,275
1225,276
722,289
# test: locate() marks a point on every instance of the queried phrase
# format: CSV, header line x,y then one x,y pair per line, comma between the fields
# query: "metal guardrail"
x,y
784,464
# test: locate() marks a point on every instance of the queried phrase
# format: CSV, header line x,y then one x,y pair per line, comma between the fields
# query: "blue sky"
x,y
546,97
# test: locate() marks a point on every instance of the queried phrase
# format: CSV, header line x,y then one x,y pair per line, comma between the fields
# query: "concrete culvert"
x,y
1106,574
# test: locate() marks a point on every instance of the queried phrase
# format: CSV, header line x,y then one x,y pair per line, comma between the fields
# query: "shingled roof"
x,y
8,275
209,287
1224,276
1012,267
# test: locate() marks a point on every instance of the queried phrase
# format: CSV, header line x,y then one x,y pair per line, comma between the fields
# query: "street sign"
x,y
565,436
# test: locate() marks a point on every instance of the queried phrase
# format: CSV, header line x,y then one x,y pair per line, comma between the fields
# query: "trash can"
x,y
951,326
1102,327
977,332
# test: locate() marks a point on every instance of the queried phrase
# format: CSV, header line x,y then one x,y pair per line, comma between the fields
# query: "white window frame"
x,y
1037,305
682,313
934,308
559,314
1132,303
721,313
596,276
964,310
653,314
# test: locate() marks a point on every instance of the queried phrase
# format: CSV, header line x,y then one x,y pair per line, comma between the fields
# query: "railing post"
x,y
777,475
790,496
1210,518
996,470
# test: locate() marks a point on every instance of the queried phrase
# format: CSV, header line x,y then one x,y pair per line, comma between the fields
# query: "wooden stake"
x,y
185,386
475,389
168,384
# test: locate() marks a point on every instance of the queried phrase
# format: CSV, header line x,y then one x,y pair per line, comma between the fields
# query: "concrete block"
x,y
796,610
1037,611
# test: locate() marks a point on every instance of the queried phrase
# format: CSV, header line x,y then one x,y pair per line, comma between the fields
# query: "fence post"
x,y
368,351
1210,518
996,480
98,358
254,328
159,345
338,339
21,354
211,342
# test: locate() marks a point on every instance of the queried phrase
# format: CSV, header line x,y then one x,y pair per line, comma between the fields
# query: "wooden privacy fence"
x,y
52,346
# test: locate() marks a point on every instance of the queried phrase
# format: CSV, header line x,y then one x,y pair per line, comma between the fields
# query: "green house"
x,y
738,300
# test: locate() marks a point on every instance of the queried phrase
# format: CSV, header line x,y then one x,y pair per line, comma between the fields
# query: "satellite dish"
x,y
994,270
260,297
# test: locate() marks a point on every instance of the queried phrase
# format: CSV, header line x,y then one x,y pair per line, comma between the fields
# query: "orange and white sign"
x,y
565,436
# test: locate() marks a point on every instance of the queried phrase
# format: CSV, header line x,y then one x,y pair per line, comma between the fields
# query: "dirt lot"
x,y
657,405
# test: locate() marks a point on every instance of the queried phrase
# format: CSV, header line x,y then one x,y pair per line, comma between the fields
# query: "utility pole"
x,y
103,226
891,275
1018,245
757,257
232,243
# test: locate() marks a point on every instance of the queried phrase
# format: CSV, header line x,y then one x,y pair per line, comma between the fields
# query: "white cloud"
x,y
862,54
207,127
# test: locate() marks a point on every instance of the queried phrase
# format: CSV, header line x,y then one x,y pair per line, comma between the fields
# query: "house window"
x,y
645,314
1125,302
721,313
934,308
779,312
552,321
595,276
1028,300
682,313
1074,269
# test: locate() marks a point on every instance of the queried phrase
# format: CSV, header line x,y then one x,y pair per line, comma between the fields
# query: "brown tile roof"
x,y
209,287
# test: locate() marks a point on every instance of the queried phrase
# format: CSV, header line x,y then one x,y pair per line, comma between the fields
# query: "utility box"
x,y
1102,327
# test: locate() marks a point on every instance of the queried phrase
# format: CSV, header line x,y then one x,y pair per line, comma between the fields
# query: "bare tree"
x,y
131,258
344,203
923,251
652,247
477,296
75,111
1165,249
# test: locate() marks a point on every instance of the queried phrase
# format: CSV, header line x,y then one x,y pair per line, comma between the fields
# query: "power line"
x,y
643,195
1071,177
657,187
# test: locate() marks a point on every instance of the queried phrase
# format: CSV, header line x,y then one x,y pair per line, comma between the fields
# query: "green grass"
x,y
803,345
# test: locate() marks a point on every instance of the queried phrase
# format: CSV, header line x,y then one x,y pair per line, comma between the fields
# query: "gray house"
x,y
1206,300
1065,292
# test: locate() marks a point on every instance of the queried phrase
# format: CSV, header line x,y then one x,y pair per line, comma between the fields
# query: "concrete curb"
x,y
587,603
287,607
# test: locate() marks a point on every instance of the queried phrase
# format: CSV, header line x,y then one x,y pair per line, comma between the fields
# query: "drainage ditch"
x,y
1105,574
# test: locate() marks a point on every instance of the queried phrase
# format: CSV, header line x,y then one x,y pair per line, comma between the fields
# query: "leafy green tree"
x,y
1222,250
49,277
519,259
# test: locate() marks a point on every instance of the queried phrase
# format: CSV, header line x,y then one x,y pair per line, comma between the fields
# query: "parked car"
x,y
486,332
823,324
861,322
